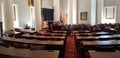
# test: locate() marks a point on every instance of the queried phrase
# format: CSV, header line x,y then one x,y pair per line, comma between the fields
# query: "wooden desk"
x,y
27,31
63,32
45,54
104,54
16,33
12,33
82,31
36,42
82,37
50,34
93,34
101,43
109,44
42,37
52,45
102,37
106,44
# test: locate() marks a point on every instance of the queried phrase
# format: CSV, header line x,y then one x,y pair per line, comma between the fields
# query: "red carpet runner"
x,y
70,50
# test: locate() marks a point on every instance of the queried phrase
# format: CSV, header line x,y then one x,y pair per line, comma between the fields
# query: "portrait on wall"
x,y
83,15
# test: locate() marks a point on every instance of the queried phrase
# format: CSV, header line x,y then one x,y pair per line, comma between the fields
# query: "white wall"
x,y
68,6
118,11
84,6
23,12
47,4
109,2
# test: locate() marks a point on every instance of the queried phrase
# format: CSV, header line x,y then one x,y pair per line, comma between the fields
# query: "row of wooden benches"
x,y
97,41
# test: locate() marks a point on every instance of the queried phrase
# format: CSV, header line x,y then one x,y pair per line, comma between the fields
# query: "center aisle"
x,y
70,50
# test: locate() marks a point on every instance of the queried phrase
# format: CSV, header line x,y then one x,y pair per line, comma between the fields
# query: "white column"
x,y
38,25
56,10
8,15
70,12
93,12
0,11
0,14
74,18
100,8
